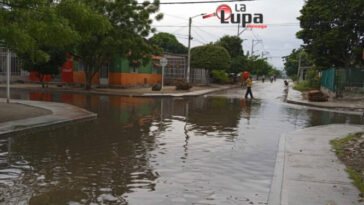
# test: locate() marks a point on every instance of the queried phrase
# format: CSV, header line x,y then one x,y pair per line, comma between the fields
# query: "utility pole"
x,y
257,41
189,47
189,50
8,76
238,30
299,66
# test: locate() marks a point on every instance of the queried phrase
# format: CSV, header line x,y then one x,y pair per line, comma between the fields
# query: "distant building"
x,y
176,69
17,74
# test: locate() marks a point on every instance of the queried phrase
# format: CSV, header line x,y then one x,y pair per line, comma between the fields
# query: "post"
x,y
251,53
162,77
189,51
238,30
299,67
8,76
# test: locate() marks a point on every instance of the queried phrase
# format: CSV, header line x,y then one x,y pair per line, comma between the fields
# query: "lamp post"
x,y
8,70
189,47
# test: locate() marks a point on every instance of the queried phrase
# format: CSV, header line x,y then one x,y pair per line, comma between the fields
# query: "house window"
x,y
134,69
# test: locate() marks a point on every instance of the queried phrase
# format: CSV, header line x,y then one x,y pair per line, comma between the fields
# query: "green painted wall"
x,y
121,65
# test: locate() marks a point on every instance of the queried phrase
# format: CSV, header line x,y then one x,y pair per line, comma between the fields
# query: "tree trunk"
x,y
41,77
90,74
88,77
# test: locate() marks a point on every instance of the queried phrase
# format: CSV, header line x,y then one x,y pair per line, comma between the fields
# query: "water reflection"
x,y
208,150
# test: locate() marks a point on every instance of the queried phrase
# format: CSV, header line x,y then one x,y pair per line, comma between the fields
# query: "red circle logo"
x,y
224,8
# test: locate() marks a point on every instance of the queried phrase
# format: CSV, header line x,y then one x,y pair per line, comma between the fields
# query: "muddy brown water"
x,y
214,149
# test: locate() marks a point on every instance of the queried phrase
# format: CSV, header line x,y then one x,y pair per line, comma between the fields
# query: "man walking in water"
x,y
249,88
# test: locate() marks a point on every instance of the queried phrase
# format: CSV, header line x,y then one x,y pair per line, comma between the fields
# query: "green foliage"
x,y
259,66
332,32
220,76
92,30
32,28
232,44
210,57
302,86
108,28
291,61
312,82
313,79
51,67
168,43
294,77
238,64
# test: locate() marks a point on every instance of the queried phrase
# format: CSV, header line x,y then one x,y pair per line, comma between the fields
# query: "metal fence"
x,y
14,63
350,82
328,79
176,69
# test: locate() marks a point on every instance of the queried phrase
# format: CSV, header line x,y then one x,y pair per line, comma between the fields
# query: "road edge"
x,y
61,114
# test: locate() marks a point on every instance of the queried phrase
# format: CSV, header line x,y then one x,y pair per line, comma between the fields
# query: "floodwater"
x,y
214,149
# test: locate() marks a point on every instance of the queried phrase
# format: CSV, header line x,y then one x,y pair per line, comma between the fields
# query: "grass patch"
x,y
337,144
306,85
302,86
356,177
350,154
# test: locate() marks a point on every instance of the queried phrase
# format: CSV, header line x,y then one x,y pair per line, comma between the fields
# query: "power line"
x,y
220,26
202,2
200,37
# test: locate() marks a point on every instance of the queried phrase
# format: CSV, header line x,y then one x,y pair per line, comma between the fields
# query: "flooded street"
x,y
214,149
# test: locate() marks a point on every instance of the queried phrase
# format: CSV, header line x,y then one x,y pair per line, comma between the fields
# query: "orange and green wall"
x,y
120,73
79,75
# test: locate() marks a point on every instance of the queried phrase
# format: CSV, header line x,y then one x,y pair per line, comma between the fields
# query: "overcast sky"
x,y
278,39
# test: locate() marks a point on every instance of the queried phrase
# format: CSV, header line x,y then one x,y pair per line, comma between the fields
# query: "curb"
x,y
190,94
275,192
279,193
61,114
357,111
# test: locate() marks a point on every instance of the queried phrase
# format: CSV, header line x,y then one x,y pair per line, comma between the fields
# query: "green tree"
x,y
291,61
31,28
258,66
107,28
168,43
332,31
210,57
232,44
51,67
238,64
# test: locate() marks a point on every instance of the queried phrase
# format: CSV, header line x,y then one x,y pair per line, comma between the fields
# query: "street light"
x,y
189,47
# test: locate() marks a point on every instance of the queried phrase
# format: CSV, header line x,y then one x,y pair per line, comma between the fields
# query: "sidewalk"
x,y
34,114
296,97
307,171
168,91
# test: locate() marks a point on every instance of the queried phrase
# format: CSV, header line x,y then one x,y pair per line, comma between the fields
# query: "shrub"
x,y
313,79
302,86
156,87
220,76
293,77
182,85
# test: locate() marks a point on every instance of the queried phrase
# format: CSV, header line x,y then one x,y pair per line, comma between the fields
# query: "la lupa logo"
x,y
226,15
